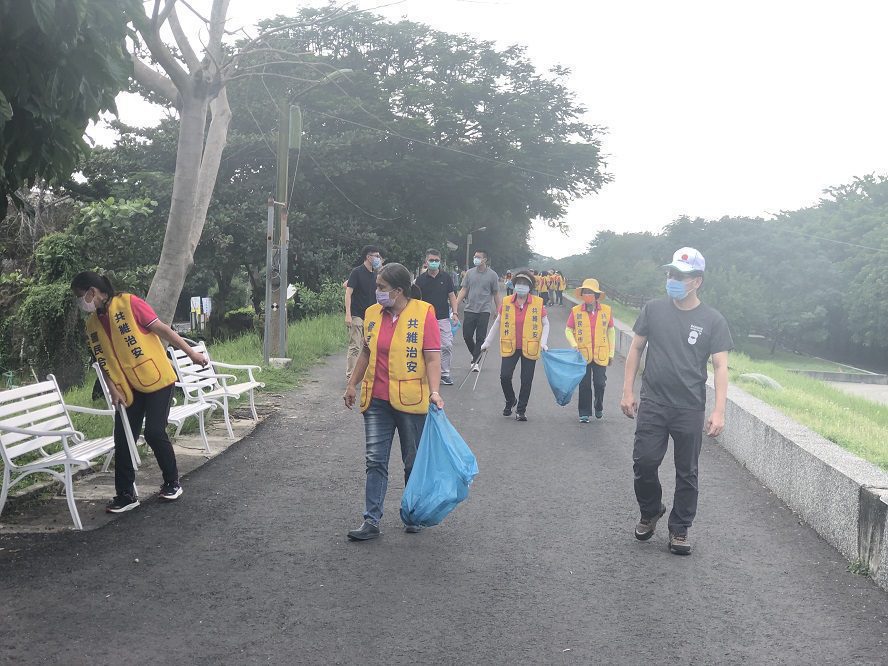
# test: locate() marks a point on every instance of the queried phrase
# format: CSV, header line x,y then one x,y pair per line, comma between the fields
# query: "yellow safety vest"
x,y
408,383
131,359
533,327
561,283
593,347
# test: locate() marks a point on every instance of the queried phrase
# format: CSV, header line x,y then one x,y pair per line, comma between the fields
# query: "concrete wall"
x,y
844,498
849,377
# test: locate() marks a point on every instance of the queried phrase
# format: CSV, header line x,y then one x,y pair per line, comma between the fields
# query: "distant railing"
x,y
614,294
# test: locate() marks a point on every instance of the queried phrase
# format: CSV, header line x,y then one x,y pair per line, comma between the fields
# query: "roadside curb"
x,y
843,497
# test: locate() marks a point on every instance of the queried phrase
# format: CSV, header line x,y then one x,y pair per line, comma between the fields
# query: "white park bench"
x,y
37,435
178,413
208,384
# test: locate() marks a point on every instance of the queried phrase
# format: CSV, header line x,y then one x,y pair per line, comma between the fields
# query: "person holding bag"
x,y
399,372
523,328
124,335
590,329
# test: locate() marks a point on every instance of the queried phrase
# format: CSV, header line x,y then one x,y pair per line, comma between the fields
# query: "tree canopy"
x,y
63,63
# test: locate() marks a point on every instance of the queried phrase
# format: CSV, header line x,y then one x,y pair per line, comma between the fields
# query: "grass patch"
x,y
307,341
760,350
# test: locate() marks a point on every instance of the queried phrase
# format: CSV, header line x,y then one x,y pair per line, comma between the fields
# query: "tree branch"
x,y
209,163
217,30
182,42
155,82
149,29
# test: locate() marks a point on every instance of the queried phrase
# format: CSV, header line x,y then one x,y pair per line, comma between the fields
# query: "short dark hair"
x,y
484,252
369,249
433,251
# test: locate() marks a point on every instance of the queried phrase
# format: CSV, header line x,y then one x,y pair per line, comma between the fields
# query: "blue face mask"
x,y
477,261
676,289
376,262
434,265
522,289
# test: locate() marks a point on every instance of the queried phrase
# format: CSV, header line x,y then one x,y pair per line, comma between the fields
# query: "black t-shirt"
x,y
680,343
364,284
436,290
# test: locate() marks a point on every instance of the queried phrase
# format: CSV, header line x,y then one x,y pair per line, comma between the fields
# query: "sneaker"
x,y
170,491
365,532
507,410
476,367
413,529
122,503
445,379
644,530
679,544
520,416
584,419
598,413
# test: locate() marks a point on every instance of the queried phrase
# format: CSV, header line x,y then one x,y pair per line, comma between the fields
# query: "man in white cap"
x,y
681,334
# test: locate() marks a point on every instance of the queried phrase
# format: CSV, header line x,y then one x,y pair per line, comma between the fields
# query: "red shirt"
x,y
593,319
520,314
143,313
431,341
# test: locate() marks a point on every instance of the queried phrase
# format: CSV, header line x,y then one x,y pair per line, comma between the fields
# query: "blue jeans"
x,y
380,422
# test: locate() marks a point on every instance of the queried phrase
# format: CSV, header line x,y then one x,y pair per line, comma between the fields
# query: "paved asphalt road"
x,y
539,566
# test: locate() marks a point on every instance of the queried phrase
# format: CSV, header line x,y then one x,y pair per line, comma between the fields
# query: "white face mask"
x,y
85,305
522,289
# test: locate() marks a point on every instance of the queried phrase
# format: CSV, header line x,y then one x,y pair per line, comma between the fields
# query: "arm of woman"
x,y
544,340
357,376
164,331
433,374
491,334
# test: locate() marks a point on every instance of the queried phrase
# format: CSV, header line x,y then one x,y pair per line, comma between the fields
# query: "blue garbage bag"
x,y
443,470
454,326
565,369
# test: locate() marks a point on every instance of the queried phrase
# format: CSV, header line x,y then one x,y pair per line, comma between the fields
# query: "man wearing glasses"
x,y
681,333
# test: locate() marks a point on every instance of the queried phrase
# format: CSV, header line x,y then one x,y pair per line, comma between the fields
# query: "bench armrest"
x,y
90,410
207,375
257,368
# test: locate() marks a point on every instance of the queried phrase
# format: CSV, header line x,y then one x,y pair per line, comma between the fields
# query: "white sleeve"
x,y
544,341
492,333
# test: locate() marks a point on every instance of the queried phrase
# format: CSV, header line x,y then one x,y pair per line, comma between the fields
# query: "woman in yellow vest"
x,y
523,328
399,372
124,335
590,329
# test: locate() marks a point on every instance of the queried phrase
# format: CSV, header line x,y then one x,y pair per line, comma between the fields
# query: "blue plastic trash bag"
x,y
454,326
565,369
442,473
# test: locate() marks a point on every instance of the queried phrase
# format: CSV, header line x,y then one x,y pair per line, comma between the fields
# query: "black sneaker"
x,y
413,529
122,503
507,410
679,544
170,491
599,414
445,379
644,530
520,416
365,532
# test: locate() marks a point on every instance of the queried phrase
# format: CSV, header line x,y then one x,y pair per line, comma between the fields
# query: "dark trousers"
x,y
153,409
545,296
559,297
474,331
506,372
596,376
655,424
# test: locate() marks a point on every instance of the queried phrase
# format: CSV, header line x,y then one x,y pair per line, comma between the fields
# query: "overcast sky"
x,y
712,108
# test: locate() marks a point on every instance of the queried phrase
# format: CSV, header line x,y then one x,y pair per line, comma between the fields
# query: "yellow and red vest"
x,y
592,345
408,383
533,327
131,359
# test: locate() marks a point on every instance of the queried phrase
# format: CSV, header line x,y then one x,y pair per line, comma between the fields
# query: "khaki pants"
x,y
355,345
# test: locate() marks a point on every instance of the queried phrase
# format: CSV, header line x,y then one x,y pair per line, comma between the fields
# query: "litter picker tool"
x,y
480,368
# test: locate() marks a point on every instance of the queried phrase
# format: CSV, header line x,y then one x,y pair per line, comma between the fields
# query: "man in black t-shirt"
x,y
437,288
360,294
681,334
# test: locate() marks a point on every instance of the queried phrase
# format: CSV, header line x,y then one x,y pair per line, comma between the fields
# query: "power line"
x,y
491,160
346,197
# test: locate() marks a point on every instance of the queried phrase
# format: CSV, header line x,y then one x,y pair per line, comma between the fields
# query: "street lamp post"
x,y
276,281
469,243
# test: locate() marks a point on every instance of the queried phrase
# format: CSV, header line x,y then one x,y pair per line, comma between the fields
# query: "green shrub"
x,y
310,303
57,257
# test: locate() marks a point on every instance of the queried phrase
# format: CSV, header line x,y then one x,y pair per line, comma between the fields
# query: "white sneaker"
x,y
476,367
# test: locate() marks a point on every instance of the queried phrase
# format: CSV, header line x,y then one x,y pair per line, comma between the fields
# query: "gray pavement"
x,y
538,566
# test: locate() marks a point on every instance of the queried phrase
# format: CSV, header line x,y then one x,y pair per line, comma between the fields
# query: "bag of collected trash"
x,y
565,369
454,326
442,473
